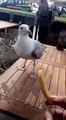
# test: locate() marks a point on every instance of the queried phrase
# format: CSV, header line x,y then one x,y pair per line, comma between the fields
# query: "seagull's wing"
x,y
38,50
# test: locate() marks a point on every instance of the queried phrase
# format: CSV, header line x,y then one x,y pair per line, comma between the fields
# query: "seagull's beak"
x,y
29,32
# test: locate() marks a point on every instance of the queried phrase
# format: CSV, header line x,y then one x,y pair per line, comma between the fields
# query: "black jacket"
x,y
44,19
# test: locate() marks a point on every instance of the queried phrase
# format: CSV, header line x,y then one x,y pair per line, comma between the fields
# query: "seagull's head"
x,y
24,29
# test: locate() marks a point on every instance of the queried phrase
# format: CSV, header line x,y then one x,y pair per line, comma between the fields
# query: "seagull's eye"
x,y
21,28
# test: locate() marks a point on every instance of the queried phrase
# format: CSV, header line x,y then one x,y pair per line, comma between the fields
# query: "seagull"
x,y
26,47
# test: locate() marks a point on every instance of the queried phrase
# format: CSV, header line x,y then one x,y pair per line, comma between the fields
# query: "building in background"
x,y
50,3
2,1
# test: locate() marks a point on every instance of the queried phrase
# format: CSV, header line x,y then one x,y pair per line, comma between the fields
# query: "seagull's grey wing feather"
x,y
38,50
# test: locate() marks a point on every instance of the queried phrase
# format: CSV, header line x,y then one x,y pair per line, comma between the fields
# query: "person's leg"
x,y
42,34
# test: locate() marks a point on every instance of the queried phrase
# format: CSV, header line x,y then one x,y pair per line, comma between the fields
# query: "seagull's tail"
x,y
44,47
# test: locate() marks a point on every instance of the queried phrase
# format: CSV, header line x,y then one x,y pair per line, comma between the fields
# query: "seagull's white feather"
x,y
26,47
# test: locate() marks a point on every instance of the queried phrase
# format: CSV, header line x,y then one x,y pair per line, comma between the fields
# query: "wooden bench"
x,y
21,95
6,24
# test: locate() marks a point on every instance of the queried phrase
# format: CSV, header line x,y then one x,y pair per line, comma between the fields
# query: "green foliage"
x,y
61,18
16,11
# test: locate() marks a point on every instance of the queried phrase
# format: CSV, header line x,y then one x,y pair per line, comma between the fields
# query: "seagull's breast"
x,y
24,48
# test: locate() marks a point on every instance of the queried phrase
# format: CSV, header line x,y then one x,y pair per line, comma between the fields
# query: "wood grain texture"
x,y
6,24
22,95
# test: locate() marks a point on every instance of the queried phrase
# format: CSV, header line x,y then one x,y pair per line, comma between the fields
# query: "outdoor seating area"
x,y
6,24
21,95
33,60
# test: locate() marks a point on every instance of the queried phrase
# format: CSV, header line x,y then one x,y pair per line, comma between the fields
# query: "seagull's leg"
x,y
23,67
34,63
33,72
32,75
34,67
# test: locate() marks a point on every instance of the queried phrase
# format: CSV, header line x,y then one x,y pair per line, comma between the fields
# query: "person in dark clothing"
x,y
44,18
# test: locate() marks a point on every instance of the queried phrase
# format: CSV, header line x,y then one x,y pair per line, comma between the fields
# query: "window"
x,y
10,2
20,2
16,1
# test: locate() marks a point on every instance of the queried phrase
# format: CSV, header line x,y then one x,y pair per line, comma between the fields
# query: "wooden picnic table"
x,y
6,24
21,95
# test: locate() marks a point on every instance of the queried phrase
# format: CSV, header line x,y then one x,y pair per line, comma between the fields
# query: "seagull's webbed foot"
x,y
23,67
32,75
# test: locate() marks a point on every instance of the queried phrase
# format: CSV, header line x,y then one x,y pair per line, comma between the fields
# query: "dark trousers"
x,y
42,34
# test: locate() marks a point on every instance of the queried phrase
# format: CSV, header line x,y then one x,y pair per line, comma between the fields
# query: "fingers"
x,y
64,115
53,113
57,112
44,116
48,115
60,101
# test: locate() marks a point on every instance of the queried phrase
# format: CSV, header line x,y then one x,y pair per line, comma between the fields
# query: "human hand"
x,y
52,113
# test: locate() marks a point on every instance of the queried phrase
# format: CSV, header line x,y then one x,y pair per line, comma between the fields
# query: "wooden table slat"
x,y
6,24
30,97
11,71
25,97
61,86
58,58
63,57
7,85
45,53
54,81
53,58
49,55
21,82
